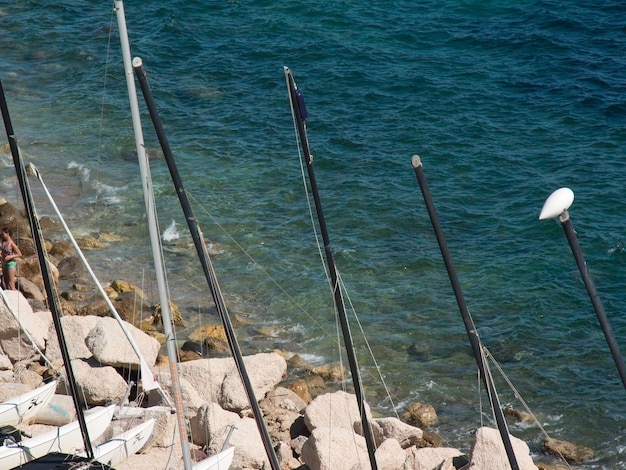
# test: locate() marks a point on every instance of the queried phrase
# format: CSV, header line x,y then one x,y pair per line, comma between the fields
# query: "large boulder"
x,y
218,380
333,410
393,428
13,341
72,267
210,421
191,399
488,451
265,371
29,267
75,330
390,455
249,449
207,376
99,385
328,446
109,344
10,217
430,458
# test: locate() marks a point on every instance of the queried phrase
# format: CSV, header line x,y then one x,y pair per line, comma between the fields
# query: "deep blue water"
x,y
505,102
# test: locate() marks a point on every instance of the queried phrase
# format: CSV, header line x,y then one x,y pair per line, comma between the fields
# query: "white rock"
x,y
210,421
99,385
390,455
488,451
5,362
75,330
431,458
191,399
109,345
249,448
285,399
206,376
402,432
217,379
13,341
332,448
334,410
265,371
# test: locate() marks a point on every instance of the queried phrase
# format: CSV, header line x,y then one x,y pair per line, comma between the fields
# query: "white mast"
x,y
155,241
148,382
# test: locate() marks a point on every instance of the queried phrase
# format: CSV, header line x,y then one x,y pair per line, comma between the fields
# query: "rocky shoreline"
x,y
313,423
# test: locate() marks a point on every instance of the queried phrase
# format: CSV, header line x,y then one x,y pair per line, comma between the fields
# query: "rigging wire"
x,y
297,304
104,83
369,348
517,394
318,244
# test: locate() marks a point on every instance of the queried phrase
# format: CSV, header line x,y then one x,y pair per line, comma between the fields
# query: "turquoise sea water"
x,y
505,102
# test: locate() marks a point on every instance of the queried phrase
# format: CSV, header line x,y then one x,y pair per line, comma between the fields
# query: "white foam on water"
x,y
171,233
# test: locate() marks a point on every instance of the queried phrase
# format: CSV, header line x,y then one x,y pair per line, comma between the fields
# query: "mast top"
x,y
557,203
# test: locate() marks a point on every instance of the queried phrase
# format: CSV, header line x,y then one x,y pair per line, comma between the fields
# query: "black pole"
x,y
299,114
472,333
45,272
570,233
205,259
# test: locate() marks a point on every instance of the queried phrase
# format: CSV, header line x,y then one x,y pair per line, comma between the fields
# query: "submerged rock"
x,y
571,452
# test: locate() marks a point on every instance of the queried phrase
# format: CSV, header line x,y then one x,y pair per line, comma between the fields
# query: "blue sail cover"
x,y
301,105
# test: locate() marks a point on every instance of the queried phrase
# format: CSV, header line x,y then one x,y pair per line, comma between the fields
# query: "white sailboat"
x,y
23,407
119,448
63,437
66,439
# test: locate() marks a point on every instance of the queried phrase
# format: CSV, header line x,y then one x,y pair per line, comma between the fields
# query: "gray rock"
x,y
72,267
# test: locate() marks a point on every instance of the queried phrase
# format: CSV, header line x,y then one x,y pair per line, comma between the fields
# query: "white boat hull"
x,y
23,407
66,439
121,447
219,461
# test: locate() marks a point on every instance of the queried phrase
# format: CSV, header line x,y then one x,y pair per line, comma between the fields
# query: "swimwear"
x,y
9,264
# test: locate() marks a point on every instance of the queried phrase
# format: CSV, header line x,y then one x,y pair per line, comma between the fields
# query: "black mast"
x,y
570,233
205,260
557,205
472,333
298,110
45,272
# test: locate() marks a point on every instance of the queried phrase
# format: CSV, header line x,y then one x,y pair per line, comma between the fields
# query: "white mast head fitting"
x,y
557,203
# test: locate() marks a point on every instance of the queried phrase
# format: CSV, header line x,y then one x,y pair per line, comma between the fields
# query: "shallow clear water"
x,y
505,102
